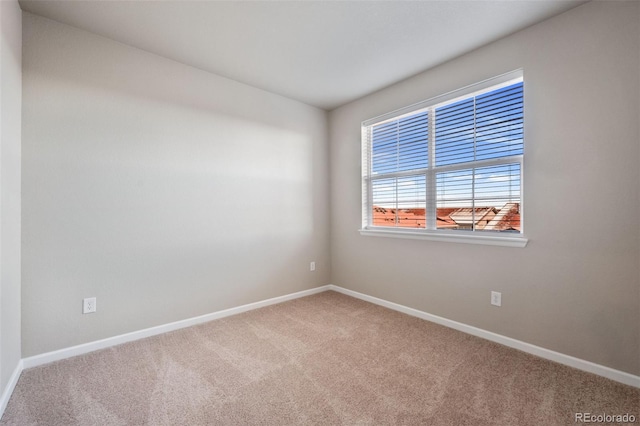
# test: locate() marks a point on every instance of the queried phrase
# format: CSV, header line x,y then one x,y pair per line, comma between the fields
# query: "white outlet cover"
x,y
496,298
89,305
312,266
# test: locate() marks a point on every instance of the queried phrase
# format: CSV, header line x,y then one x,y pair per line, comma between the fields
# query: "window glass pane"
x,y
454,133
499,123
412,202
492,127
400,145
384,148
454,199
497,189
399,202
384,202
481,199
413,133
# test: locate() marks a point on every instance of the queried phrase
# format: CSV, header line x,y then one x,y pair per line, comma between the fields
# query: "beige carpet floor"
x,y
325,359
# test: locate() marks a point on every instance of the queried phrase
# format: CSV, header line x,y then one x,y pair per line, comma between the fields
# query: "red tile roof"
x,y
506,218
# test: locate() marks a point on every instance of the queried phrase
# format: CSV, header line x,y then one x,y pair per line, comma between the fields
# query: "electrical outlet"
x,y
312,266
496,298
88,305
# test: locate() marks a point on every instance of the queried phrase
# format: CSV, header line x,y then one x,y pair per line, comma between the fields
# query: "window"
x,y
449,168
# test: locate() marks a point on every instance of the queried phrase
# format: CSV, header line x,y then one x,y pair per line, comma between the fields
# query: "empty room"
x,y
319,212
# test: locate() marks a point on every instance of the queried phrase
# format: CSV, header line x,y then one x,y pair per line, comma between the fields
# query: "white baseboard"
x,y
48,357
580,364
11,385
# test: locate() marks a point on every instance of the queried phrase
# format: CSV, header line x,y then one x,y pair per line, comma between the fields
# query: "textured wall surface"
x,y
162,190
575,288
10,129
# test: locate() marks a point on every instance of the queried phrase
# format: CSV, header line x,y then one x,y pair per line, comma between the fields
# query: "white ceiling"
x,y
323,53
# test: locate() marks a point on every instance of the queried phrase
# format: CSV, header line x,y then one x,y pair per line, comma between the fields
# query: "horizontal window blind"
x,y
400,145
452,165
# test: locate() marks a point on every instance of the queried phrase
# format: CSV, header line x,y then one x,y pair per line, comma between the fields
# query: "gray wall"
x,y
575,288
10,128
165,191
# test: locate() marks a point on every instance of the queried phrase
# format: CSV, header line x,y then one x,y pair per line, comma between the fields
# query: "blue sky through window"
x,y
401,145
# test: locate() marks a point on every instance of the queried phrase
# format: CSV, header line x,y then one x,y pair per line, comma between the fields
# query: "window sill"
x,y
450,237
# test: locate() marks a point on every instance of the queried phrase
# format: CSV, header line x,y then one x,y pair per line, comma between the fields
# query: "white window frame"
x,y
458,236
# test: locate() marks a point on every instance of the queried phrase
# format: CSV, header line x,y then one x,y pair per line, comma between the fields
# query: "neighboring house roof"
x,y
467,216
506,218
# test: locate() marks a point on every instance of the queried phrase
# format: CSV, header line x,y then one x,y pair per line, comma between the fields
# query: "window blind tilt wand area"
x,y
448,166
